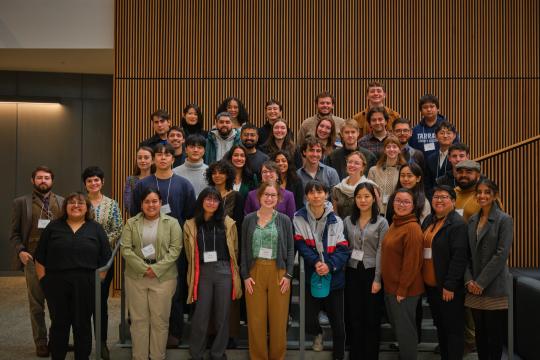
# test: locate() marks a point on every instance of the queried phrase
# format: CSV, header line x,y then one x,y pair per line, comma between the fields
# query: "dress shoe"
x,y
42,350
172,342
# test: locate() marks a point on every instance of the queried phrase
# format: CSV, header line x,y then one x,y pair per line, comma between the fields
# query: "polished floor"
x,y
16,334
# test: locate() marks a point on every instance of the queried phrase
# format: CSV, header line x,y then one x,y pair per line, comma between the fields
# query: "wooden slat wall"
x,y
479,57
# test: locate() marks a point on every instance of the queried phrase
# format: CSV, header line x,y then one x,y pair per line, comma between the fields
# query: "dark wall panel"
x,y
8,182
65,136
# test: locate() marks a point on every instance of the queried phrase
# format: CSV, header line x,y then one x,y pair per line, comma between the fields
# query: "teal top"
x,y
265,237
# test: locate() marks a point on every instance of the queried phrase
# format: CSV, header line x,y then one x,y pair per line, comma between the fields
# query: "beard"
x,y
249,145
466,185
224,132
43,188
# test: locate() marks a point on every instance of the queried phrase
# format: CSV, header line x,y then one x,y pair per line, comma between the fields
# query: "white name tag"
x,y
385,199
357,254
427,253
148,251
210,256
459,211
429,146
165,209
265,253
42,223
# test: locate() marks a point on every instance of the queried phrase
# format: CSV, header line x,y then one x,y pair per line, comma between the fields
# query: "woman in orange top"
x,y
445,260
401,268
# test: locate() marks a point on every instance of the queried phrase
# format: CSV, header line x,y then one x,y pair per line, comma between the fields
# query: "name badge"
x,y
166,209
427,253
357,254
210,256
148,250
385,199
429,146
42,223
460,211
265,253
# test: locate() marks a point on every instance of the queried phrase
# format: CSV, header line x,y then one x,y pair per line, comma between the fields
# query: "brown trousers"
x,y
267,308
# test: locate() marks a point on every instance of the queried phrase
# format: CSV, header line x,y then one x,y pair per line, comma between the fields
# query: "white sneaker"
x,y
318,343
323,318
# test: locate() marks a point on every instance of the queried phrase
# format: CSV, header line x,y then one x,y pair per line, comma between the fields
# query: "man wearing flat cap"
x,y
467,175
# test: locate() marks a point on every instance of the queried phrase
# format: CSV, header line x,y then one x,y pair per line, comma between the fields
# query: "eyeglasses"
x,y
402,202
268,195
211,200
402,131
445,133
76,202
441,197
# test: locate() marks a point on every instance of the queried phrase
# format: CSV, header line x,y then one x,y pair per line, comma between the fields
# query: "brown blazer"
x,y
21,224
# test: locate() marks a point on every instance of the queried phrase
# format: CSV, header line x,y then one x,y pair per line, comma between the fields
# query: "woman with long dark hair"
x,y
211,243
411,177
365,229
192,121
244,180
280,139
236,109
288,178
490,239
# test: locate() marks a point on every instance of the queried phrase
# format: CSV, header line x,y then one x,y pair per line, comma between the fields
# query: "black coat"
x,y
449,251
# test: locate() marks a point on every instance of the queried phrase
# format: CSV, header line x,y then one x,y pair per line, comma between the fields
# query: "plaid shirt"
x,y
373,144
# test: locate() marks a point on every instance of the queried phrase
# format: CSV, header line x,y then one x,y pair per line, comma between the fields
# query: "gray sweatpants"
x,y
402,316
213,297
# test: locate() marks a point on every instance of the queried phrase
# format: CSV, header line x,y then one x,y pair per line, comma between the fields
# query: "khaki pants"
x,y
36,300
149,303
267,308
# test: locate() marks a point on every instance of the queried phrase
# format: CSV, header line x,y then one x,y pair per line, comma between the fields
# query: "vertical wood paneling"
x,y
479,57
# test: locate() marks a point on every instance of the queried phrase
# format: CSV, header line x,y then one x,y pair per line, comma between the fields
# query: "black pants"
x,y
176,319
491,328
70,297
449,318
364,311
334,307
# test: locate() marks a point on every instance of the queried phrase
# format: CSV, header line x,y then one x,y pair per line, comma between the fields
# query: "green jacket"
x,y
168,247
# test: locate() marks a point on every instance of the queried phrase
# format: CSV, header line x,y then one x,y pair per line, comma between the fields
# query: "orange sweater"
x,y
401,257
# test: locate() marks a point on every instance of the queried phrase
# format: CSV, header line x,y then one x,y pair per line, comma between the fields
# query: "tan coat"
x,y
192,254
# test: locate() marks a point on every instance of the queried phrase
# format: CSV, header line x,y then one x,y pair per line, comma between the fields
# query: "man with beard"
x,y
325,107
377,119
402,129
176,137
249,136
456,154
221,139
161,122
467,175
31,214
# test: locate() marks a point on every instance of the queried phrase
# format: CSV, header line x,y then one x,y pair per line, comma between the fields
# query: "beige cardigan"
x,y
168,247
190,243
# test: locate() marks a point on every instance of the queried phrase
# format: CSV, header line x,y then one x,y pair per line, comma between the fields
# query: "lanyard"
x,y
273,226
168,189
362,234
204,243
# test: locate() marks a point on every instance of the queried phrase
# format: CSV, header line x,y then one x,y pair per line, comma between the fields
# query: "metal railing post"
x,y
302,325
123,337
97,299
511,319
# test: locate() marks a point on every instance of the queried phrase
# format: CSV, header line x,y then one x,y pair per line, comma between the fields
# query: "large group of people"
x,y
382,213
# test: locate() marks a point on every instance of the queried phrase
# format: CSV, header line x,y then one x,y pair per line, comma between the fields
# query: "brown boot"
x,y
42,350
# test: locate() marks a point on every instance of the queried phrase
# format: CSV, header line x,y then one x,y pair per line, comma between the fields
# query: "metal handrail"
x,y
97,312
302,325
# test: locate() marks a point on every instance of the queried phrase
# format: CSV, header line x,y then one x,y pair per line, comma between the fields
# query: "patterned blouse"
x,y
387,178
108,214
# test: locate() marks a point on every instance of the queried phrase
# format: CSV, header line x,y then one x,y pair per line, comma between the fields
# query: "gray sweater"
x,y
194,173
373,235
285,248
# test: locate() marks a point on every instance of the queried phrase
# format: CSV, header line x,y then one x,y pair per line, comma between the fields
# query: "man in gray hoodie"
x,y
221,138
